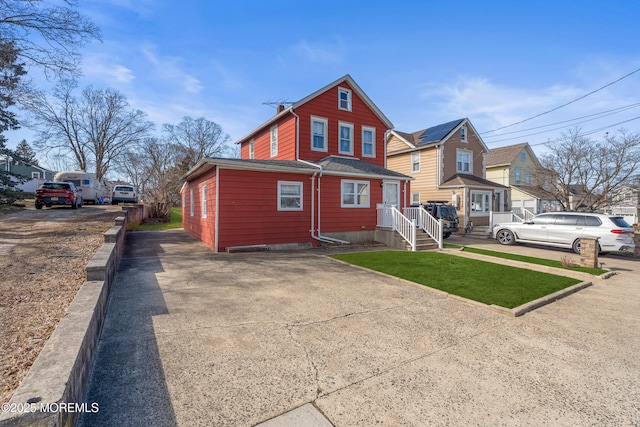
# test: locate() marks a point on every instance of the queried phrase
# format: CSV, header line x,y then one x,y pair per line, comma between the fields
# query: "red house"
x,y
315,172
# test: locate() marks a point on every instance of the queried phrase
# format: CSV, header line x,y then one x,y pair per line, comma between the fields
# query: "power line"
x,y
599,115
564,105
588,132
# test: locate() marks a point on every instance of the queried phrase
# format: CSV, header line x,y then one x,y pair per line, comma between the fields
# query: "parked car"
x,y
564,229
124,193
441,209
58,193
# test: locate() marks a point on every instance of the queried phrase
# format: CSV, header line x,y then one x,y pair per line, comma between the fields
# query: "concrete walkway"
x,y
197,338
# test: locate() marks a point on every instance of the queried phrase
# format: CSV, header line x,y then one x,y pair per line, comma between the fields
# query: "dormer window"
x,y
463,134
344,99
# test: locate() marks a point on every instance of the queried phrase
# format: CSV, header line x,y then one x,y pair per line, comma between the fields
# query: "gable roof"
x,y
503,156
346,78
436,134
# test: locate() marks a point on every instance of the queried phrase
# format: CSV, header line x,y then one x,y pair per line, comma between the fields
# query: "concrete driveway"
x,y
197,338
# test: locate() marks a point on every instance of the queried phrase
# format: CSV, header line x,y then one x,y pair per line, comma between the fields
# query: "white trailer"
x,y
93,190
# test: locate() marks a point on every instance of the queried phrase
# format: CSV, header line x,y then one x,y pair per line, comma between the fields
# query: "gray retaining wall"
x,y
53,391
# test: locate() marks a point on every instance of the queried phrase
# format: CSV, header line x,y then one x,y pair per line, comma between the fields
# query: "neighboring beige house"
x,y
625,202
517,167
447,162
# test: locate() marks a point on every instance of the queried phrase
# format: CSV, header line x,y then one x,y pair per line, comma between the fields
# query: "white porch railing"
x,y
427,222
390,217
405,225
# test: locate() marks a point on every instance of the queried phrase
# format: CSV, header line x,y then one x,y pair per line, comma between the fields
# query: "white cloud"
x,y
100,67
319,53
169,69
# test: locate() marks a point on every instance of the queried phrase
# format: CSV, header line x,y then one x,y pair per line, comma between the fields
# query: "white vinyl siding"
x,y
355,194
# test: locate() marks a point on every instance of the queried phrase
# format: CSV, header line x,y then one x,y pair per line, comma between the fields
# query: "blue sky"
x,y
421,62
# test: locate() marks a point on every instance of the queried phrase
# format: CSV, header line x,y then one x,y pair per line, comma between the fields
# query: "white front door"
x,y
391,193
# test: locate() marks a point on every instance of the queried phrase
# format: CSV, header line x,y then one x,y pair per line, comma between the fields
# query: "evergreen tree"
x,y
24,150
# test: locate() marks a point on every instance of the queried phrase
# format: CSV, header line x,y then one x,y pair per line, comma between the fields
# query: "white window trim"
x,y
413,197
470,153
273,140
35,175
326,133
252,149
204,200
464,131
191,204
373,141
486,203
350,126
415,154
355,196
342,90
296,183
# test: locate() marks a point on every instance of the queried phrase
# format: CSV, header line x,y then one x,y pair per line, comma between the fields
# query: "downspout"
x,y
319,174
216,228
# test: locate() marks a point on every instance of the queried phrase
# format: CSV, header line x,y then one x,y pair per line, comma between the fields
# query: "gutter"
x,y
318,237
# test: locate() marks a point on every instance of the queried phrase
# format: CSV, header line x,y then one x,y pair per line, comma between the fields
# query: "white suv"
x,y
563,230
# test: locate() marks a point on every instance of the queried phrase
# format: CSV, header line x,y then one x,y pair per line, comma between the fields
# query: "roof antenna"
x,y
280,105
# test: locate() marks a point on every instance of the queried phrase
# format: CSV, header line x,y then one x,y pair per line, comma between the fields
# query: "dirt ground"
x,y
42,258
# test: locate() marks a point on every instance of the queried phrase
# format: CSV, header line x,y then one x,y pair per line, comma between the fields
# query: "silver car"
x,y
563,230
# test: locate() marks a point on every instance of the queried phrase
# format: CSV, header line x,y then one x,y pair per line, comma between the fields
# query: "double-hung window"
x,y
318,134
274,141
368,141
289,196
464,162
204,200
518,174
415,161
527,176
191,204
355,194
345,138
344,99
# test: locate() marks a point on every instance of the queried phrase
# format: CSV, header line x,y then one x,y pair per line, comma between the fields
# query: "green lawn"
x,y
175,222
531,260
481,281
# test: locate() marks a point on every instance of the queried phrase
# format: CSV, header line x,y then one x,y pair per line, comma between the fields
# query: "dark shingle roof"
x,y
354,166
463,180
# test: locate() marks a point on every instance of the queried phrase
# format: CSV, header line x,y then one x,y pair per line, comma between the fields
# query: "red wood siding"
x,y
262,141
200,228
325,106
248,213
334,218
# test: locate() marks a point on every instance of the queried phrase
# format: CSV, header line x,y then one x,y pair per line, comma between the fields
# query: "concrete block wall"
x,y
53,390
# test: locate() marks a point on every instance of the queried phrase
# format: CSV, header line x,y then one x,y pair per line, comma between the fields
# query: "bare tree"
x,y
96,129
110,126
588,171
58,118
197,139
46,35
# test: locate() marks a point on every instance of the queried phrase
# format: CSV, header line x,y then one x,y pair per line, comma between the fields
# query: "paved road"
x,y
197,338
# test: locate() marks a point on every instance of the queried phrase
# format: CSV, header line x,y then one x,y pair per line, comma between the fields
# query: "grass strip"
x,y
174,222
530,260
481,281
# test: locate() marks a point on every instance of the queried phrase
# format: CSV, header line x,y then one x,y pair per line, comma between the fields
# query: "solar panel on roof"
x,y
436,133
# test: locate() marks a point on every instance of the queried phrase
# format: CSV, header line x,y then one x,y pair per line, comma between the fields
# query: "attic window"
x,y
463,134
523,156
344,99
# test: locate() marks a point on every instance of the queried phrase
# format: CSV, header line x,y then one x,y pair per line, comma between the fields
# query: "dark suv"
x,y
440,209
